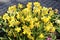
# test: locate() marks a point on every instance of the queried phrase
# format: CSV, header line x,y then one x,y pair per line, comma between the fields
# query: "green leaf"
x,y
53,36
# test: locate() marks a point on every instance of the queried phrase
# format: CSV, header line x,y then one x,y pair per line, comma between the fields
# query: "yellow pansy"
x,y
29,5
17,29
20,6
41,35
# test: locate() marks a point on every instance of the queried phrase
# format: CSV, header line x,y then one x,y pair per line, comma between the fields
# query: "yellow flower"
x,y
37,24
45,19
44,11
26,11
35,19
48,26
12,18
20,6
16,23
51,13
36,10
5,16
37,4
11,23
26,30
41,35
18,16
28,18
29,5
30,37
31,24
17,29
12,9
52,29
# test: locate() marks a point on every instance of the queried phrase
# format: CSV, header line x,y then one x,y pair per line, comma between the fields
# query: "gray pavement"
x,y
55,4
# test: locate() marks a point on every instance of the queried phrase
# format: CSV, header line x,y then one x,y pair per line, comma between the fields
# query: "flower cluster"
x,y
24,23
